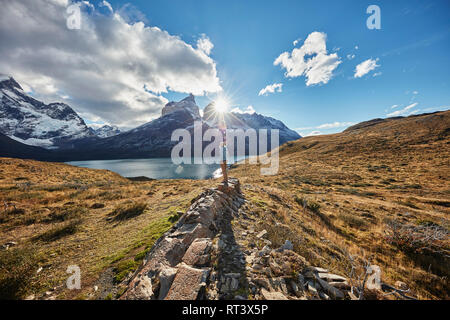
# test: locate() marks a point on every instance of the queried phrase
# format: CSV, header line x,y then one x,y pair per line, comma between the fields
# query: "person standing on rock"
x,y
223,164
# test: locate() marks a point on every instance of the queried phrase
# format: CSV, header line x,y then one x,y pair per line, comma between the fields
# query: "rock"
x,y
30,297
295,288
315,269
273,295
234,284
264,251
340,285
301,280
140,289
7,245
323,296
261,234
187,283
198,253
332,291
401,285
239,298
278,284
95,288
287,245
331,277
39,270
262,282
166,277
312,287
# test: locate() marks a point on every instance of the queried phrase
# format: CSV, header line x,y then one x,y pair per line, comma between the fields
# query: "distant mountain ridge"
x,y
57,126
33,122
106,131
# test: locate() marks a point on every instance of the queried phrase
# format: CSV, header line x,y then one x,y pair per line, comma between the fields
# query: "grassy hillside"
x,y
339,195
60,215
370,193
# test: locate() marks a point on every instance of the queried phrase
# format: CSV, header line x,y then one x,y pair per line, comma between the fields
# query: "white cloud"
x,y
415,92
326,126
334,125
204,44
365,67
376,74
394,106
406,111
310,60
312,133
296,41
351,56
271,88
105,65
249,110
106,4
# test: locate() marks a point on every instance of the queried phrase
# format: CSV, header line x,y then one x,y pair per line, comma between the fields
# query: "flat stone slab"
x,y
198,253
187,283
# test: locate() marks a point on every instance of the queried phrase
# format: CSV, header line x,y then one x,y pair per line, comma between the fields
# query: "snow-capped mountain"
x,y
56,126
187,104
106,131
35,123
244,120
153,139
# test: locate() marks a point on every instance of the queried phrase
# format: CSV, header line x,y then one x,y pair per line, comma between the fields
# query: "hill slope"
x,y
340,194
338,198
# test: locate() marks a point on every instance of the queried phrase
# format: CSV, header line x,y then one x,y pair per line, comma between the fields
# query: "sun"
x,y
221,105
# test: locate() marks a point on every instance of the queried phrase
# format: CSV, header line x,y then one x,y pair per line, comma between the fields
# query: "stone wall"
x,y
179,264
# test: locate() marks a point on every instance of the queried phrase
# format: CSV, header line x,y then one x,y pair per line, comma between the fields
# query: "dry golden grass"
x,y
360,179
64,213
332,198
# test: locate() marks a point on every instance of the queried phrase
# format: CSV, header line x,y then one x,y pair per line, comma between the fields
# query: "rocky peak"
x,y
187,103
7,82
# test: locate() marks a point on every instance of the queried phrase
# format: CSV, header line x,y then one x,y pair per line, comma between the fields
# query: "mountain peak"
x,y
187,104
8,82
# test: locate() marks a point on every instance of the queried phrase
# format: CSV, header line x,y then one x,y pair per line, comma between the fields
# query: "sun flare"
x,y
221,105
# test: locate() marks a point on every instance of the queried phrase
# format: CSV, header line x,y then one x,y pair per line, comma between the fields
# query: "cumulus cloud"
x,y
271,88
249,110
310,60
406,111
365,67
106,4
111,68
204,44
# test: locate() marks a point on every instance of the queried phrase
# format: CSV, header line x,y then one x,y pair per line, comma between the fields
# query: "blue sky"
x,y
412,47
411,54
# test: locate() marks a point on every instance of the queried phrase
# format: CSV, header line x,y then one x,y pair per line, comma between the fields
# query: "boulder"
x,y
187,283
273,295
140,289
166,277
331,277
332,291
198,253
